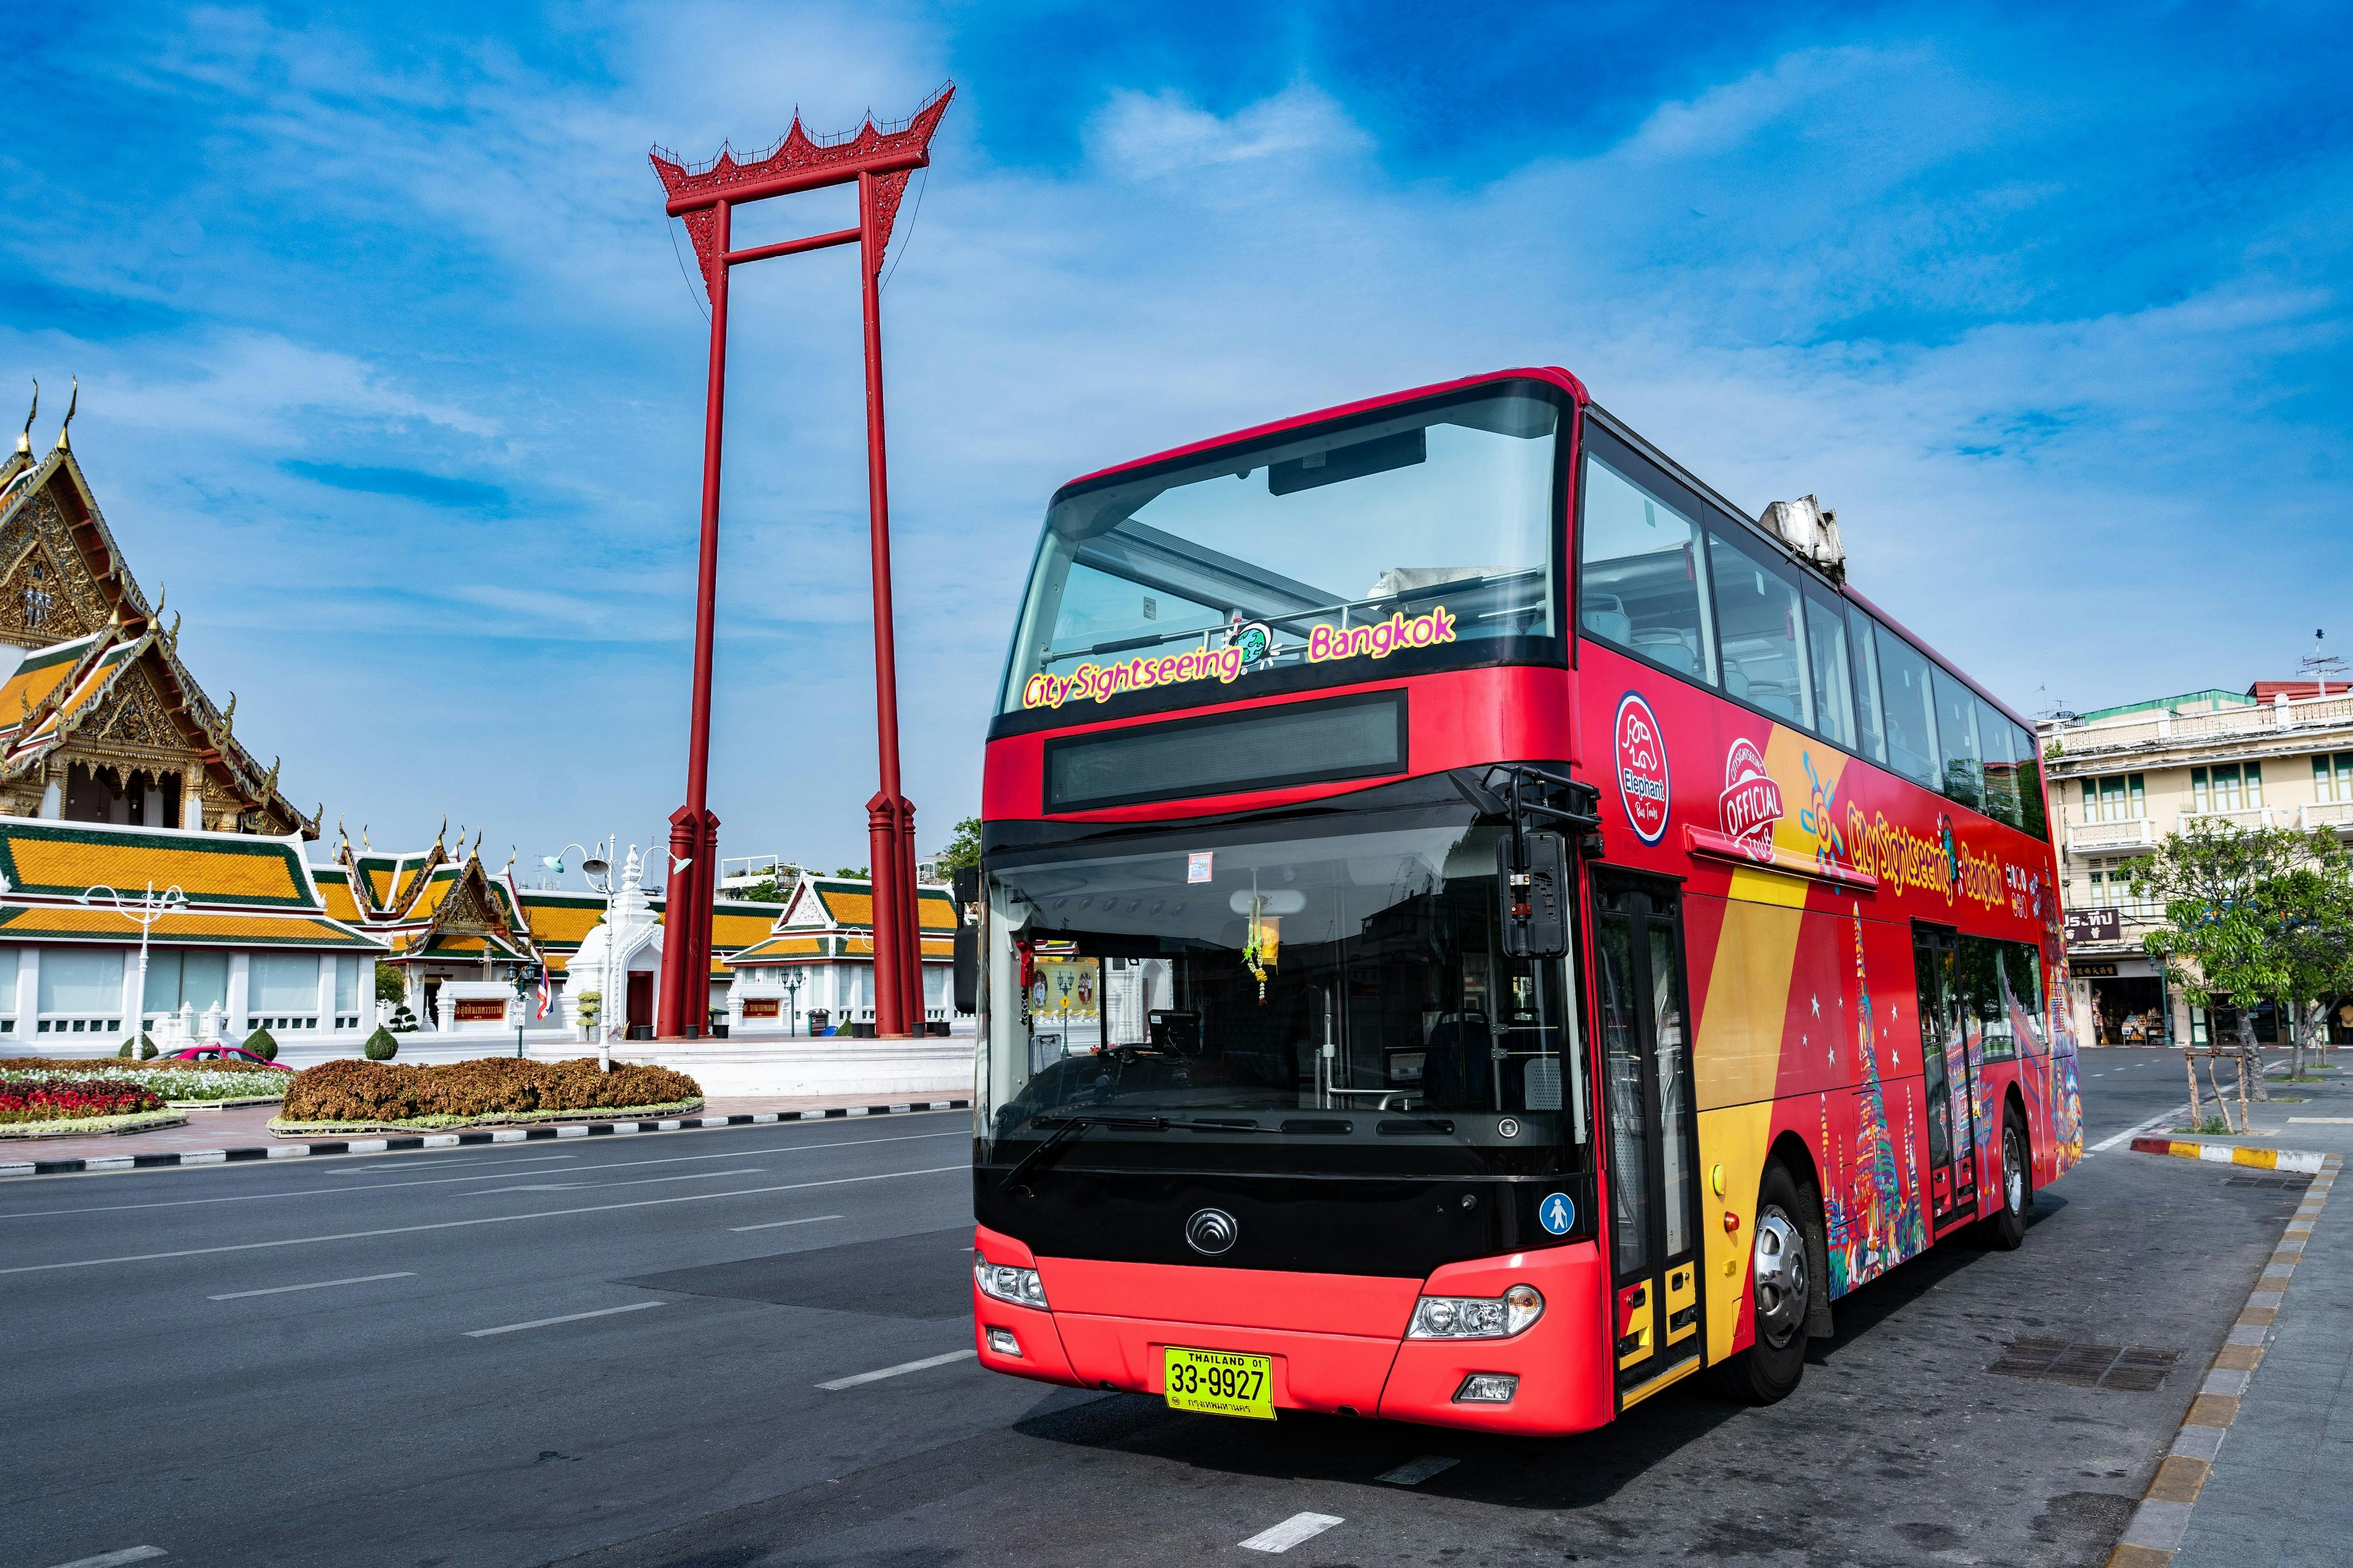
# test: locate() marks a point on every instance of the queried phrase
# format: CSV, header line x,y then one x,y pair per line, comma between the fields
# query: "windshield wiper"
x,y
1067,1128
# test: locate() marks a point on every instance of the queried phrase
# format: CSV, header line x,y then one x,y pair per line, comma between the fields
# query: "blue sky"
x,y
390,371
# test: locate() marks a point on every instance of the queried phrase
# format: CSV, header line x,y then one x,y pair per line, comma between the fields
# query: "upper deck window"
x,y
1425,531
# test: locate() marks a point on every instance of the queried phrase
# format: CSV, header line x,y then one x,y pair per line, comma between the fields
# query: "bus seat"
x,y
1613,625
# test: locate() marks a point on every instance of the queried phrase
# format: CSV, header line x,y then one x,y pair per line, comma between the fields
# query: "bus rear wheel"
x,y
1782,1285
2005,1229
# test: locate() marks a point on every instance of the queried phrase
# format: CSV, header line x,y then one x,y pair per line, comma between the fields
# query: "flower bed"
x,y
353,1094
28,1100
177,1083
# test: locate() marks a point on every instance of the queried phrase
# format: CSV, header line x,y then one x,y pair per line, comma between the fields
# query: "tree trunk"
x,y
2197,1107
2248,1067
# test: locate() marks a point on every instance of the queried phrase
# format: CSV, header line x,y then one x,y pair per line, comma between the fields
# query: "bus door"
x,y
1946,1076
1642,1010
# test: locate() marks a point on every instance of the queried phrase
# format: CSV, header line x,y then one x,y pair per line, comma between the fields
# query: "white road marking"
x,y
115,1559
314,1285
900,1370
634,1182
775,1223
483,1219
2329,1120
2135,1131
296,1192
1299,1527
567,1318
1415,1472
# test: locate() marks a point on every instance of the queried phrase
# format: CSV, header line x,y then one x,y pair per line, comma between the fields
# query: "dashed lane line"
x,y
296,1192
1416,1472
632,1182
566,1318
1299,1527
481,1219
313,1285
905,1367
116,1559
446,1180
773,1224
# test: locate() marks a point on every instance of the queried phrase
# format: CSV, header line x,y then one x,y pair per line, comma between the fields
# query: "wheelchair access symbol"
x,y
1557,1214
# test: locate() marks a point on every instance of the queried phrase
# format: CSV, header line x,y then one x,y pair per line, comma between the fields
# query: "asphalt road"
x,y
614,1353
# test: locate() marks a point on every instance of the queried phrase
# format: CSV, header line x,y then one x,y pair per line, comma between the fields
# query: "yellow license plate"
x,y
1219,1383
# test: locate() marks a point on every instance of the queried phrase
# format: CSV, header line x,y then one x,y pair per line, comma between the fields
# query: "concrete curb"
x,y
2234,1154
460,1140
2158,1524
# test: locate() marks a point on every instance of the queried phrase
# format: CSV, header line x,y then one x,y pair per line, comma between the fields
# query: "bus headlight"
x,y
1019,1286
1476,1317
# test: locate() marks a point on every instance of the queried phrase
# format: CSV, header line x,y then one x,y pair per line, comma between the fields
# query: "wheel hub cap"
x,y
1780,1272
2013,1170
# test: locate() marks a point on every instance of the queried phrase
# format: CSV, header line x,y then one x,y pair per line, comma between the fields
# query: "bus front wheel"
x,y
1781,1283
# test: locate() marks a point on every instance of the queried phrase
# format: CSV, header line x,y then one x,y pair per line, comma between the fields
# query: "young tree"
x,y
2260,914
964,849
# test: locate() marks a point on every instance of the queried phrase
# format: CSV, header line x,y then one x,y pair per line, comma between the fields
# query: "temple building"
x,y
101,721
820,957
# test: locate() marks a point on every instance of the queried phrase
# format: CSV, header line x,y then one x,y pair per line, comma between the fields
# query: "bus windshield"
x,y
1274,980
1427,529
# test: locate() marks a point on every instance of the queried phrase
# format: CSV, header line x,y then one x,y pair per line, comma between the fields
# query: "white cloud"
x,y
1147,135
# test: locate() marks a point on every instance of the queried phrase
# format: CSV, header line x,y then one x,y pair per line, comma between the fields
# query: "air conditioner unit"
x,y
1812,530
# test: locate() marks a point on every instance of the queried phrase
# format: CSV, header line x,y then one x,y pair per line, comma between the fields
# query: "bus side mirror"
x,y
966,891
1533,897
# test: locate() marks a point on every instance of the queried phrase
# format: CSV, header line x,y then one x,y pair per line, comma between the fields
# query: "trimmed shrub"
x,y
372,1091
404,1021
146,1049
125,1050
262,1044
380,1047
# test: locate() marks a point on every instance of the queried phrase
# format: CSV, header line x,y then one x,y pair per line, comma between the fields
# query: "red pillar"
x,y
686,945
910,975
892,869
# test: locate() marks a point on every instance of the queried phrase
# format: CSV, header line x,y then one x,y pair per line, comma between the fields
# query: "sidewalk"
x,y
248,1127
2274,1495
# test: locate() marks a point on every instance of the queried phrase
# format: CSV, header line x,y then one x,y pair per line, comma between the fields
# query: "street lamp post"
x,y
144,914
596,867
791,981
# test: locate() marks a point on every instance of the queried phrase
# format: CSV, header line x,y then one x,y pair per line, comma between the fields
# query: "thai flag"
x,y
546,995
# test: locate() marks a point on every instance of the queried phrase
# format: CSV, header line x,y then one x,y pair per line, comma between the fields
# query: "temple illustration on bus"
x,y
1474,929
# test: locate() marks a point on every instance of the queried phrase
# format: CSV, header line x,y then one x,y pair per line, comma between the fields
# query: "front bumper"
x,y
1335,1341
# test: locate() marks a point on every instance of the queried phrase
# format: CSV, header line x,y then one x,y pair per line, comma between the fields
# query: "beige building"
x,y
2279,754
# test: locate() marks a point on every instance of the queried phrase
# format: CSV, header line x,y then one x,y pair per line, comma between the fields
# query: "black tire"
x,y
1781,1281
2005,1230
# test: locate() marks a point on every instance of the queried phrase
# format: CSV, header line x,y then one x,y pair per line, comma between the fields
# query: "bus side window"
x,y
1639,577
1957,734
1826,651
1996,737
1757,629
1910,718
1872,736
2030,814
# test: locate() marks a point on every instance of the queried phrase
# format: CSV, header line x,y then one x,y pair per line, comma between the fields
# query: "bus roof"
x,y
1569,384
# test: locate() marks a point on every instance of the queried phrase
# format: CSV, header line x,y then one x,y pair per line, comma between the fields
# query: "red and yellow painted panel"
x,y
1803,873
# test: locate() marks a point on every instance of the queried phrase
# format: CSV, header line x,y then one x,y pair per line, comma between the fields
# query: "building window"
x,y
2332,778
2119,798
2226,786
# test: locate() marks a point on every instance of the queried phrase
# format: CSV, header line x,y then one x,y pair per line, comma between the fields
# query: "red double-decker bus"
x,y
1474,928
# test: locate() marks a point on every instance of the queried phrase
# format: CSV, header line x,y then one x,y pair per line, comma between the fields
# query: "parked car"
x,y
221,1054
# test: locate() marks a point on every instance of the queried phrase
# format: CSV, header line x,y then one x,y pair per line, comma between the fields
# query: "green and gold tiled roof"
x,y
39,856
